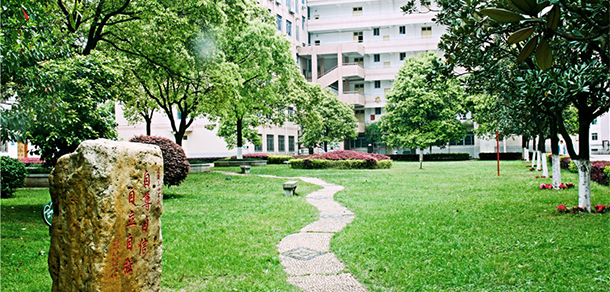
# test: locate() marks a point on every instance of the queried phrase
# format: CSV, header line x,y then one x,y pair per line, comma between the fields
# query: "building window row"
x,y
281,143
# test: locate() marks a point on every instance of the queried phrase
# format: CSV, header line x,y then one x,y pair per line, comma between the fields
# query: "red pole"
x,y
498,149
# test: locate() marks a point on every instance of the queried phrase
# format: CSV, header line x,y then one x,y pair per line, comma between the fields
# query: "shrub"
x,y
278,159
607,170
384,164
346,154
503,156
597,172
31,160
12,175
572,167
175,165
431,157
564,162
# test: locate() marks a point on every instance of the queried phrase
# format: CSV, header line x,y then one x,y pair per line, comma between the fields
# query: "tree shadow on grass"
x,y
26,213
172,196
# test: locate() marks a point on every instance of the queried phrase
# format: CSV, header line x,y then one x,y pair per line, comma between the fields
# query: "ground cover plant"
x,y
344,159
456,226
218,235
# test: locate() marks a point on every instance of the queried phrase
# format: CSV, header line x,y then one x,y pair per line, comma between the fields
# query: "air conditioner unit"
x,y
291,10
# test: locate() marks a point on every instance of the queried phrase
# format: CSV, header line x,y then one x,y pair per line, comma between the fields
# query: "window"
x,y
288,27
377,83
372,117
386,64
179,115
358,37
303,24
278,21
425,3
377,110
289,4
594,122
403,56
270,143
291,143
3,147
376,31
281,143
402,29
290,111
359,61
316,42
297,32
259,147
359,88
426,31
357,11
594,136
376,58
185,137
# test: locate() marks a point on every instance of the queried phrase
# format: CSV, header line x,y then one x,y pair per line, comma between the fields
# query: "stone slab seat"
x,y
290,187
245,168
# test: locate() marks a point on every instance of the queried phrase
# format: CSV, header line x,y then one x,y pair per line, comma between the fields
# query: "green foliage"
x,y
373,132
422,107
12,175
431,157
572,167
607,170
175,165
337,122
70,107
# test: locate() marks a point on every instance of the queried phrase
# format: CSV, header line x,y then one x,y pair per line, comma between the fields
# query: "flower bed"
x,y
344,159
600,209
431,157
31,160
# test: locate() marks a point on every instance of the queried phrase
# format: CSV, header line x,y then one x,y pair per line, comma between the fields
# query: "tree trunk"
x,y
178,137
555,156
239,138
584,183
534,160
526,154
541,150
421,158
325,147
545,167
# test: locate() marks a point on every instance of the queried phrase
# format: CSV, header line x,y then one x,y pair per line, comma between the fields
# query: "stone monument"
x,y
106,232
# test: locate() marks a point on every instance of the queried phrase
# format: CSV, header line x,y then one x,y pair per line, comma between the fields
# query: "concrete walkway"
x,y
306,255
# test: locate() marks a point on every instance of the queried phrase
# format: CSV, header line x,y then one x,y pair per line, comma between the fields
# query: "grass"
x,y
456,226
453,226
218,235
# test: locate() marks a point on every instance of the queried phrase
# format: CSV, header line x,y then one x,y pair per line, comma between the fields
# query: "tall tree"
x,y
422,107
265,75
480,32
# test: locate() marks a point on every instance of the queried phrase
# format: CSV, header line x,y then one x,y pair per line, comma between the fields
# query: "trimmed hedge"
x,y
307,163
503,156
278,159
345,155
431,157
12,175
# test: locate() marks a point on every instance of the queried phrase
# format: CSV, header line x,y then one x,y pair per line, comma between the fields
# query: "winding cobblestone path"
x,y
306,255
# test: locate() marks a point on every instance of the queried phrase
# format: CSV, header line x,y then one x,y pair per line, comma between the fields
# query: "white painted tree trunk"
x,y
539,161
534,161
584,183
239,153
526,154
545,167
421,158
556,171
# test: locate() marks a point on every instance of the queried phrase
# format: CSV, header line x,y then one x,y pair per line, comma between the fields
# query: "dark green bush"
x,y
431,157
503,156
38,170
175,165
12,175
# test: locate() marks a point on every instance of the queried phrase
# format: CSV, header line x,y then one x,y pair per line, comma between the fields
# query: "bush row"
x,y
600,170
369,163
503,156
431,157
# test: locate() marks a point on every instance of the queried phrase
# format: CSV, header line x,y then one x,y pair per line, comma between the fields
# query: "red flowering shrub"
x,y
597,172
345,155
175,165
31,160
600,209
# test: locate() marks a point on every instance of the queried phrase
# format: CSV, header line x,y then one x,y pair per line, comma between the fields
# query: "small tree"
x,y
175,164
422,108
337,123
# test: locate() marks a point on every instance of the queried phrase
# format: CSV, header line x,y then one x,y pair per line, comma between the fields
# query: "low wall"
x,y
226,163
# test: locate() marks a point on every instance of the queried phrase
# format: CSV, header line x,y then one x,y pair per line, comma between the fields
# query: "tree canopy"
x,y
422,107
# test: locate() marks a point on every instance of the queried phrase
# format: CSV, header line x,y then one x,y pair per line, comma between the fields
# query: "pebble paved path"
x,y
306,256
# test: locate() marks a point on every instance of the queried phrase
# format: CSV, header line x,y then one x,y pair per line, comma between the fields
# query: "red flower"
x,y
562,186
562,208
537,176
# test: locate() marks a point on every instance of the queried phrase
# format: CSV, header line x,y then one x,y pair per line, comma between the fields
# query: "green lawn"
x,y
218,235
456,226
453,226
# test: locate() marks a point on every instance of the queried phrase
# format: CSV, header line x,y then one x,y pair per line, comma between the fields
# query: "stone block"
x,y
106,233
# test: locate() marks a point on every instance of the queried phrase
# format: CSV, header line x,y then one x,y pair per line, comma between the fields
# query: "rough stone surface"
x,y
324,283
106,233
